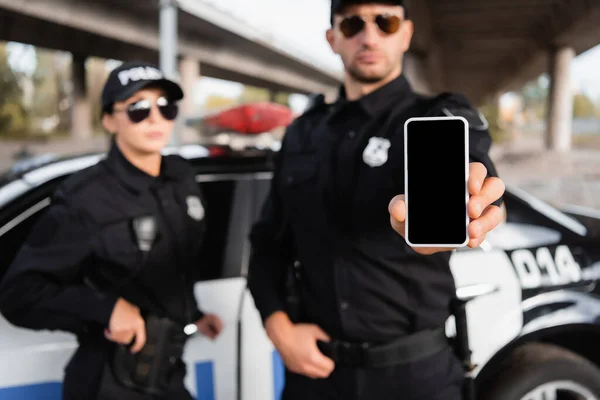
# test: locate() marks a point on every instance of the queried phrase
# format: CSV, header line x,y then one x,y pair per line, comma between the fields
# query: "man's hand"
x,y
484,216
125,324
210,325
297,345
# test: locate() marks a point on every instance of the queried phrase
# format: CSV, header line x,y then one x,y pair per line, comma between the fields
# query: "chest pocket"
x,y
119,247
299,185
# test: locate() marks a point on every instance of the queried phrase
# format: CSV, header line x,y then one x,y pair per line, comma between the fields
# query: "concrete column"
x,y
81,117
560,107
415,71
189,72
331,95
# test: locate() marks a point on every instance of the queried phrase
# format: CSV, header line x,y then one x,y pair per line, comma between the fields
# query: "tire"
x,y
535,368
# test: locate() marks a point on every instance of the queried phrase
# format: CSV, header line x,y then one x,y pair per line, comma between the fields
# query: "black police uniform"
x,y
328,211
111,231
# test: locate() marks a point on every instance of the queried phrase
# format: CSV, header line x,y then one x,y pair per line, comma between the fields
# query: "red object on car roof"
x,y
250,118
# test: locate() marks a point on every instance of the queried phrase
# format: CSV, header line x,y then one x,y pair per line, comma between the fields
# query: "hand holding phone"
x,y
436,172
447,201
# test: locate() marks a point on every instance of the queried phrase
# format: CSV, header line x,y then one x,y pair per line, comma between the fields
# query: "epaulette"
x,y
78,181
456,105
315,102
315,106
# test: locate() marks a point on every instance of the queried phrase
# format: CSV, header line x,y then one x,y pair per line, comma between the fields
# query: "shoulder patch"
x,y
475,119
315,101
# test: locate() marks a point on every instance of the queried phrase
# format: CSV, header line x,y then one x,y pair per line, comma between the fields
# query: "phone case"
x,y
407,194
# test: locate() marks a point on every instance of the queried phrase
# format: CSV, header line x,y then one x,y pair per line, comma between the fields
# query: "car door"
x,y
233,200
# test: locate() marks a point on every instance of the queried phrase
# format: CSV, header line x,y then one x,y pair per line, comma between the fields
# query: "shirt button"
x,y
351,134
344,306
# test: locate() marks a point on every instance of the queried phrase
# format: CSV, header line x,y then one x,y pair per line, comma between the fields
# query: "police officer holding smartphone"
x,y
113,259
361,314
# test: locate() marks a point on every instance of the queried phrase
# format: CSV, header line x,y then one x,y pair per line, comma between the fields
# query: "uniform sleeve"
x,y
480,140
43,289
271,254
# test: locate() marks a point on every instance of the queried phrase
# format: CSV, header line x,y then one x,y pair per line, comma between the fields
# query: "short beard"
x,y
358,76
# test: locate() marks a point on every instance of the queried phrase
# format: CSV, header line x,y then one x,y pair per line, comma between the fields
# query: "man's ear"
x,y
330,36
406,35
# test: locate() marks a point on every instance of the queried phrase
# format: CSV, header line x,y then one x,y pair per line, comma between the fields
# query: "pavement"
x,y
556,178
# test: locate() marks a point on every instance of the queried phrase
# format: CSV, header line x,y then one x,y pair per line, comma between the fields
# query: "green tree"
x,y
583,106
535,95
214,102
52,86
253,94
491,113
282,98
12,112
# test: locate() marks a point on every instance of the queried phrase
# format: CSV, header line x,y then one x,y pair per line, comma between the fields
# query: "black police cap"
x,y
337,5
132,76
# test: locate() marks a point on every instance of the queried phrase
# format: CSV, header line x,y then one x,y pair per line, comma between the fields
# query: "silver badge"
x,y
376,152
195,209
145,232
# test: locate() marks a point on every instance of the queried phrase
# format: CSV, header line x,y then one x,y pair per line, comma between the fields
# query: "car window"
x,y
232,205
17,222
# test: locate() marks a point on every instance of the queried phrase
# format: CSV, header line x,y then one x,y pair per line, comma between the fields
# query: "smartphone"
x,y
436,171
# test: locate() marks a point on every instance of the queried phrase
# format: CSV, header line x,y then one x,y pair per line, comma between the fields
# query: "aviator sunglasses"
x,y
352,25
140,110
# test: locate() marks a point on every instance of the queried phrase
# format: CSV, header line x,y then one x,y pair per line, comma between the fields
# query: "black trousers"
x,y
110,389
439,377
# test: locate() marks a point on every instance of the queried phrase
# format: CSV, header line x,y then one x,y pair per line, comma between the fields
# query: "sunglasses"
x,y
140,110
352,25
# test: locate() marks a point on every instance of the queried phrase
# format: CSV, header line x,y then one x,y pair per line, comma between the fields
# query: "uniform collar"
x,y
380,99
133,177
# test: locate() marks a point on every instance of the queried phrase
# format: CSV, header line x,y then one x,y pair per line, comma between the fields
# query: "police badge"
x,y
195,209
376,152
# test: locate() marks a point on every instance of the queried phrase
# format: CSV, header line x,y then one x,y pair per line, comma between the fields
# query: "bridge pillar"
x,y
415,71
81,114
189,72
560,107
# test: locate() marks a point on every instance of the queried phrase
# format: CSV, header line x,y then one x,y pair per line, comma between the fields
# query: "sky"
x,y
299,27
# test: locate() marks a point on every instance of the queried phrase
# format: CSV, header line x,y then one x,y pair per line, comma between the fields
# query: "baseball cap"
x,y
337,5
132,76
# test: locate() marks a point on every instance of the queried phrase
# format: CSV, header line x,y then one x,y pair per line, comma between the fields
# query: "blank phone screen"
x,y
436,181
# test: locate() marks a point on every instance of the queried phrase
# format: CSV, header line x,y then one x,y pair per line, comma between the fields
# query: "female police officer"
x,y
113,259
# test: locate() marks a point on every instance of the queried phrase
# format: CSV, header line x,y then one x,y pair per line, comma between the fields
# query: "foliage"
x,y
583,107
215,102
12,113
491,113
254,94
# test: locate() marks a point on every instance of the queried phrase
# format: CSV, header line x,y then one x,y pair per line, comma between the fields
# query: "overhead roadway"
x,y
114,29
478,47
483,47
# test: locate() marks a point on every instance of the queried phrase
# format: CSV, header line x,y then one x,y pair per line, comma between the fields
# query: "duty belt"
x,y
404,350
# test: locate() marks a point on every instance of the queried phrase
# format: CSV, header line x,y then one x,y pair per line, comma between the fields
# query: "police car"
x,y
526,317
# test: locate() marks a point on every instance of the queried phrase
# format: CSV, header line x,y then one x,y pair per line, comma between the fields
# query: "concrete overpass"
x,y
485,47
479,47
209,43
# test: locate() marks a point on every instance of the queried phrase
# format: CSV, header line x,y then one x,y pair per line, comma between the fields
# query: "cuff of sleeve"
x,y
270,308
101,309
198,315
